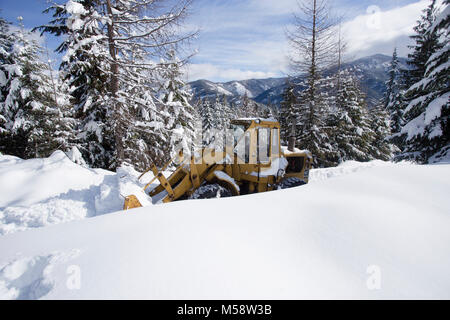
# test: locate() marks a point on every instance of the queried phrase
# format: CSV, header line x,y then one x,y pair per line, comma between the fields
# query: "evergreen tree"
x,y
288,112
380,147
219,120
83,69
226,113
393,98
425,44
134,42
248,107
207,116
111,48
268,112
352,134
33,123
9,73
176,99
312,127
427,131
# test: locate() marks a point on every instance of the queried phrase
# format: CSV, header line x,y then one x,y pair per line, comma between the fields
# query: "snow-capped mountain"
x,y
372,72
234,89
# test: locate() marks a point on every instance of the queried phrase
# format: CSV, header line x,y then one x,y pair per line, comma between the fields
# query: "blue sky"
x,y
241,39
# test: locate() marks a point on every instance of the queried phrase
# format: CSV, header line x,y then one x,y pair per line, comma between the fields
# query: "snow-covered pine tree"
x,y
138,32
219,114
393,98
34,124
222,115
268,112
176,98
248,108
288,112
8,74
352,134
380,147
312,127
427,130
207,116
226,113
425,44
132,36
272,112
83,71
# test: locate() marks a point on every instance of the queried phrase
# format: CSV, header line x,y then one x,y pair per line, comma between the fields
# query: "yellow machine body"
x,y
254,162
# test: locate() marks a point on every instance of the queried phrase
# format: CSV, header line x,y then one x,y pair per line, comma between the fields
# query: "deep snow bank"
x,y
44,191
40,192
347,167
313,241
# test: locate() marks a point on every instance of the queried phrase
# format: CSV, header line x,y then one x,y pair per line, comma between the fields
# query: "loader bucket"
x,y
131,202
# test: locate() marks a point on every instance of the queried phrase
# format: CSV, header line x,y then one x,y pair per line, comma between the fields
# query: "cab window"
x,y
263,145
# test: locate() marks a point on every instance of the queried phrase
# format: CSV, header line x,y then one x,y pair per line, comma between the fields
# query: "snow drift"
x,y
39,192
313,241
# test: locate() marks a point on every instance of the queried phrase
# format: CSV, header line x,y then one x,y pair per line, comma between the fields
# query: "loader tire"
x,y
290,183
208,191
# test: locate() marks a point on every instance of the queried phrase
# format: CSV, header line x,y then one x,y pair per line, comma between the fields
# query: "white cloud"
x,y
216,73
246,39
381,29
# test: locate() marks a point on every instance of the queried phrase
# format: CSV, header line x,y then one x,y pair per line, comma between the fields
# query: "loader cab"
x,y
255,140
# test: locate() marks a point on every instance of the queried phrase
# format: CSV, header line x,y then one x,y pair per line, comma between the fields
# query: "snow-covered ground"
x,y
361,230
39,192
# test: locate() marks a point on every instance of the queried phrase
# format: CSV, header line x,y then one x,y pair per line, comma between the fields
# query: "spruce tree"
x,y
176,99
116,53
248,108
425,44
427,131
83,71
393,98
312,127
34,124
352,134
208,121
380,147
9,72
288,113
226,113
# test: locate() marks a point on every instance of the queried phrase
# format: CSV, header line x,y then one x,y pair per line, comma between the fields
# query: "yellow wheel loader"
x,y
250,160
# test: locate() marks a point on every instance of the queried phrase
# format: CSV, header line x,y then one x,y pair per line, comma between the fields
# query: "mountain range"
x,y
372,72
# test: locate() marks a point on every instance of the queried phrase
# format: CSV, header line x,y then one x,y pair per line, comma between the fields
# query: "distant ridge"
x,y
372,72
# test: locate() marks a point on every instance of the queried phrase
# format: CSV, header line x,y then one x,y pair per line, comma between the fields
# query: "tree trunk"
x,y
291,143
313,69
114,87
339,60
